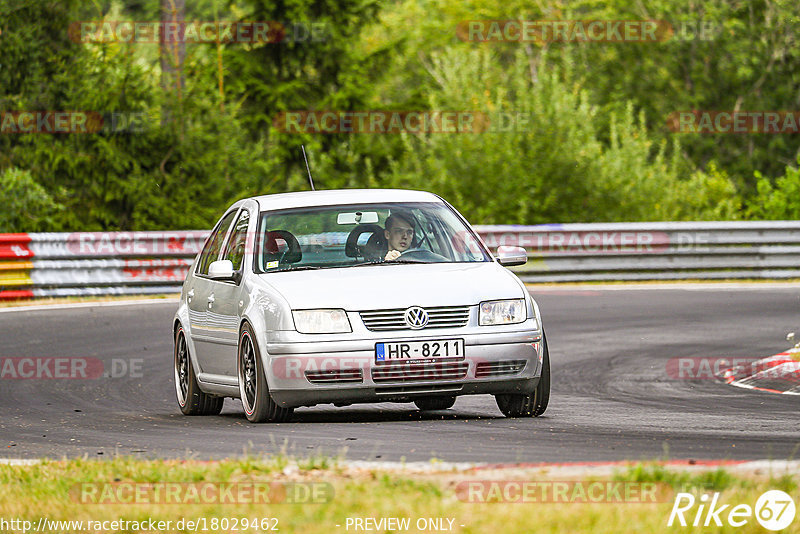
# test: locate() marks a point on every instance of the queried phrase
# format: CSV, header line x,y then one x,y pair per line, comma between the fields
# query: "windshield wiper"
x,y
385,262
300,268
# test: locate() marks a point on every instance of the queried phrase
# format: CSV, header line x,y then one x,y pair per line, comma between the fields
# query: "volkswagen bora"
x,y
355,296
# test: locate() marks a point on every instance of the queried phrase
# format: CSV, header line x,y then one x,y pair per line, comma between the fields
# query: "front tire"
x,y
435,403
191,399
256,400
535,403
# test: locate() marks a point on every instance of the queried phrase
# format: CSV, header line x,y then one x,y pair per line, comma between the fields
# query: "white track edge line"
x,y
105,304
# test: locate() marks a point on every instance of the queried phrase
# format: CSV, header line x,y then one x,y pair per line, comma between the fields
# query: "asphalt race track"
x,y
612,397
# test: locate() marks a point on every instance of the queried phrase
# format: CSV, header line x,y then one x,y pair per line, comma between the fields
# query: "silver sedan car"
x,y
355,296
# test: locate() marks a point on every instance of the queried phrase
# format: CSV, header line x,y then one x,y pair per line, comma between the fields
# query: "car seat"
x,y
371,250
281,246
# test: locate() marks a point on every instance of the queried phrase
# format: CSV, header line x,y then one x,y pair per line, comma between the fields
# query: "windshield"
x,y
364,234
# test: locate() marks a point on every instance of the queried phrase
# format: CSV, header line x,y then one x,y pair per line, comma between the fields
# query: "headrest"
x,y
351,248
280,245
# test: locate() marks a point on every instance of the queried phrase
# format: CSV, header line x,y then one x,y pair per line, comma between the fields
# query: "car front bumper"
x,y
343,372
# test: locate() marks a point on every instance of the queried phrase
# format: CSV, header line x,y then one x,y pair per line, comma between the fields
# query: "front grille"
x,y
419,372
334,376
504,367
439,317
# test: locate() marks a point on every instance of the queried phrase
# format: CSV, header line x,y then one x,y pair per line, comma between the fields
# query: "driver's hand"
x,y
392,255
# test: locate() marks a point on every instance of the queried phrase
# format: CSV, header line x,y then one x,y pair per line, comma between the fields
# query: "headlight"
x,y
321,321
503,312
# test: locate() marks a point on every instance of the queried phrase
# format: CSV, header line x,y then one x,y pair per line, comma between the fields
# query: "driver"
x,y
399,234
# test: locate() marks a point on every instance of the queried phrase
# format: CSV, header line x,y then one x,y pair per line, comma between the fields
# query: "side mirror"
x,y
510,256
221,270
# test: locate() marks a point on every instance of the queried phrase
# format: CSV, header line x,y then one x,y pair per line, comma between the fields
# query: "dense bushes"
x,y
26,204
778,201
578,130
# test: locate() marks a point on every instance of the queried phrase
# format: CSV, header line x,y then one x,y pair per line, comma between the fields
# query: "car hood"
x,y
382,286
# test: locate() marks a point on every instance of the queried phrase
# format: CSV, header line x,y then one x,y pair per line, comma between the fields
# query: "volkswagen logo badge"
x,y
416,317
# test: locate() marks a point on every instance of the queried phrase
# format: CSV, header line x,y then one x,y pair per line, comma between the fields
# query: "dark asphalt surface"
x,y
612,397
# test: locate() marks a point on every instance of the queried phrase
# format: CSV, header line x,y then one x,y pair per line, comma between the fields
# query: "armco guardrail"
x,y
95,263
654,251
87,263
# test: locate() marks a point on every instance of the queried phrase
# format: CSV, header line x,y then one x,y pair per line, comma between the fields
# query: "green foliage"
x,y
544,156
190,154
721,56
578,130
154,174
778,201
27,207
706,196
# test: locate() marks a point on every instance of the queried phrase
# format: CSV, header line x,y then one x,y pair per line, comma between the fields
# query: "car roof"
x,y
332,197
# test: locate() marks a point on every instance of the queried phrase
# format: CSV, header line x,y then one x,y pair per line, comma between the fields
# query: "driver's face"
x,y
399,236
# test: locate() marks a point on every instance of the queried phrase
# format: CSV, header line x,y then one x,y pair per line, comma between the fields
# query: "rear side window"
x,y
236,244
214,244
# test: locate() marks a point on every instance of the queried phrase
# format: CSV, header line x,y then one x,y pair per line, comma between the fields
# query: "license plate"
x,y
419,350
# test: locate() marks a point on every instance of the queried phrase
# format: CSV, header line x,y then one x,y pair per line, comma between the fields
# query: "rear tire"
x,y
256,400
435,403
535,403
191,399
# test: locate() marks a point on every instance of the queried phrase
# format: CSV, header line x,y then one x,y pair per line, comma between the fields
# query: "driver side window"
x,y
428,233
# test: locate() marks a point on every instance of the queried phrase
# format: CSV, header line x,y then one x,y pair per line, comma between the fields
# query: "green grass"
x,y
679,480
53,489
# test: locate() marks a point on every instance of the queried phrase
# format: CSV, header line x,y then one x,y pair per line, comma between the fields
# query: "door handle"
x,y
190,295
210,300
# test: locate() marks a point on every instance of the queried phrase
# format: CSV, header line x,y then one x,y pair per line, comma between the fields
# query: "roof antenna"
x,y
310,179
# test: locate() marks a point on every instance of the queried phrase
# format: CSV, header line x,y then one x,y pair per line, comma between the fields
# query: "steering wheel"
x,y
422,254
